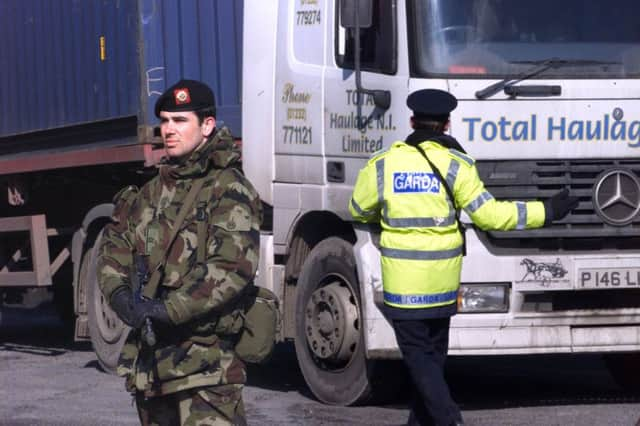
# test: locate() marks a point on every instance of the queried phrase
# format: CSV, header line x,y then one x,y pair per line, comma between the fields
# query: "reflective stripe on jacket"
x,y
421,246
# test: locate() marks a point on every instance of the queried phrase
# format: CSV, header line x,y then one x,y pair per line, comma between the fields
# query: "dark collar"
x,y
422,135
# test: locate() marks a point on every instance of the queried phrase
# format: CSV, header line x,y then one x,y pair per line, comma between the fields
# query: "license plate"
x,y
608,278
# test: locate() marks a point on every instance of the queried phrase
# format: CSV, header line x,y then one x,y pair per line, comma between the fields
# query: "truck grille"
x,y
583,229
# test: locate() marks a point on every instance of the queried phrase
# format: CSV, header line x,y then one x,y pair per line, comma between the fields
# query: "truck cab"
x,y
547,100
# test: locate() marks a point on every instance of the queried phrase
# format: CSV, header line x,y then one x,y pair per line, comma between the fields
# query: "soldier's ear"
x,y
208,124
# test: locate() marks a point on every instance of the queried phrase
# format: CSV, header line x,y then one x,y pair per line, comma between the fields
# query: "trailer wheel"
x,y
108,333
624,368
329,339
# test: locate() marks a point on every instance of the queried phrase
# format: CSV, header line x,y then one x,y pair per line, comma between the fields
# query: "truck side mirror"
x,y
356,13
381,98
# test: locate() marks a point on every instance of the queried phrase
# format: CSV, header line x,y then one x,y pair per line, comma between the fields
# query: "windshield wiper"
x,y
538,68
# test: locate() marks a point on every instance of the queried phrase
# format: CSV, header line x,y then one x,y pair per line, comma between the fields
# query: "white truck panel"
x,y
269,275
590,119
379,335
292,201
259,37
295,169
299,94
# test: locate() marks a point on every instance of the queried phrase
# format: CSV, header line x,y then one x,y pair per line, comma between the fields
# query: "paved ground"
x,y
45,380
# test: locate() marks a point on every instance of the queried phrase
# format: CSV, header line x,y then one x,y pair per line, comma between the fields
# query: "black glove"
x,y
154,309
134,314
121,302
559,205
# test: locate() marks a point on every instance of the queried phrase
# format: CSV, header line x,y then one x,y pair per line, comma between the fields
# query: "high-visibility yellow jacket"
x,y
421,246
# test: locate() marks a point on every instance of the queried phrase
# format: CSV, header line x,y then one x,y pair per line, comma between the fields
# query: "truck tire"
x,y
63,298
329,340
624,369
108,333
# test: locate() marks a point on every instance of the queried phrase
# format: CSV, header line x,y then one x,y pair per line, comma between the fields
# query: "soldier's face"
x,y
181,132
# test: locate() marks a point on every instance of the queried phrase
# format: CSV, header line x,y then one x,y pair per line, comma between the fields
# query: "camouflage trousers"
x,y
213,405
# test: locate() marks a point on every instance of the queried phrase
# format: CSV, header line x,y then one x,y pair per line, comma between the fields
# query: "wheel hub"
x,y
331,322
109,325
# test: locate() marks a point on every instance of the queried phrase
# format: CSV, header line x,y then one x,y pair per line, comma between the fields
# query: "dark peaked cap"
x,y
431,103
186,95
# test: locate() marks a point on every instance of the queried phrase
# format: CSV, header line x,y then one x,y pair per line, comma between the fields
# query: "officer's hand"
x,y
559,205
121,302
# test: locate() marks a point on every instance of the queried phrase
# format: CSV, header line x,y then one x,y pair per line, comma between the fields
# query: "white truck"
x,y
548,99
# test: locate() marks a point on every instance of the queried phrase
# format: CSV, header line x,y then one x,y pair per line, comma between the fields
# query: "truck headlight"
x,y
475,298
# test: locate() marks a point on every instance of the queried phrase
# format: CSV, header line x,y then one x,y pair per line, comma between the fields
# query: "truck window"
x,y
500,38
377,43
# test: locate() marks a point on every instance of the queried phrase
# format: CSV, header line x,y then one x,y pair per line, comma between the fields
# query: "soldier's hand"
x,y
122,303
154,309
134,314
559,205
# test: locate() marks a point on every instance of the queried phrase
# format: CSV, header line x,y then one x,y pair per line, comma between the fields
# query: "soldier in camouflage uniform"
x,y
192,375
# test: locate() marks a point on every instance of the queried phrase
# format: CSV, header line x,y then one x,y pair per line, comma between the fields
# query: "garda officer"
x,y
414,189
191,375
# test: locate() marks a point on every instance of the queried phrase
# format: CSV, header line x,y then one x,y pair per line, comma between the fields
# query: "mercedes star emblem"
x,y
616,196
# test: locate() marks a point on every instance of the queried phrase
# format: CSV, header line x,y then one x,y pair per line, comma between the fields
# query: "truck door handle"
x,y
335,171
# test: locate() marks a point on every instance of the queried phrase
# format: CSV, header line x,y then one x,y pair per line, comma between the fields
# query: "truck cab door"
x,y
354,126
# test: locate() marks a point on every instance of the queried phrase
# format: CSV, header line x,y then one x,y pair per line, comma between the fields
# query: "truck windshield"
x,y
502,38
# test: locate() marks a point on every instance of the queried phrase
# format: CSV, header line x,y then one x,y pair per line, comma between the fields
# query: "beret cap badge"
x,y
182,96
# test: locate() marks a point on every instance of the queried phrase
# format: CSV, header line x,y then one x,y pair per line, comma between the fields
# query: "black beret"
x,y
186,95
431,102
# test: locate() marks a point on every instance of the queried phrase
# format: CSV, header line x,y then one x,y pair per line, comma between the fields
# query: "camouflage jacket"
x,y
196,350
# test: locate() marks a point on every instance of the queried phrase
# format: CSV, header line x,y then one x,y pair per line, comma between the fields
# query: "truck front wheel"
x,y
107,331
329,331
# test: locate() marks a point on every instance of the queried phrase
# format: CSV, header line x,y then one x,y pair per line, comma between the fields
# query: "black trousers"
x,y
424,344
